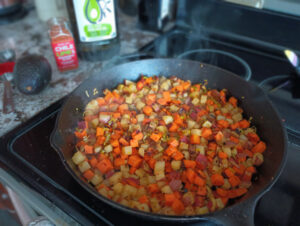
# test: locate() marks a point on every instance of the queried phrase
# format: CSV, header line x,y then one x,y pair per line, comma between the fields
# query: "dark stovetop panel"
x,y
27,153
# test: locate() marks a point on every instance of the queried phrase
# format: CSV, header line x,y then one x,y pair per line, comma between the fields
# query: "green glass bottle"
x,y
94,24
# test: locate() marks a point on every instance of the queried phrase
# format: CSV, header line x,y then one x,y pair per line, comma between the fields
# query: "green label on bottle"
x,y
95,20
97,30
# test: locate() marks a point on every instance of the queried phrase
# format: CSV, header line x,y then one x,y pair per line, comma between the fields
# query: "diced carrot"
x,y
173,142
162,101
233,101
151,163
249,153
219,136
234,139
206,132
139,85
201,113
251,169
199,181
222,192
143,199
173,127
177,119
259,147
234,126
234,181
88,149
119,162
122,107
147,110
116,115
190,174
244,124
170,150
89,174
101,101
239,170
217,179
177,155
137,136
93,161
223,123
222,155
212,146
155,136
234,193
133,120
105,165
135,161
99,131
134,143
81,134
201,190
123,141
189,163
132,170
169,198
195,139
229,172
177,206
117,150
253,137
153,188
115,143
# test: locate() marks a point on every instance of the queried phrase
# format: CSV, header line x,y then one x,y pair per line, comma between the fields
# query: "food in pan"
x,y
164,145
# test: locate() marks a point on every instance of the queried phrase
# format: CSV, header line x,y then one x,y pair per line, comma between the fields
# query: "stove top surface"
x,y
27,152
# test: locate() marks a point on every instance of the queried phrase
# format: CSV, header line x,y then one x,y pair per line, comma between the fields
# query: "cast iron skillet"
x,y
251,98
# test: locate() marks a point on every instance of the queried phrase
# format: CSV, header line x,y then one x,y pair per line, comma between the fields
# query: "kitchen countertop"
x,y
30,36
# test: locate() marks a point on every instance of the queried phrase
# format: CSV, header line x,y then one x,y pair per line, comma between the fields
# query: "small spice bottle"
x,y
63,45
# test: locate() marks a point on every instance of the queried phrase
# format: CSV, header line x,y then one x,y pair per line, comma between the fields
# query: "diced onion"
x,y
78,157
127,150
167,119
104,118
203,99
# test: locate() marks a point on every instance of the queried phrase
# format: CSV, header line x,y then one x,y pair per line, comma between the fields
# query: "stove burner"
x,y
220,59
278,88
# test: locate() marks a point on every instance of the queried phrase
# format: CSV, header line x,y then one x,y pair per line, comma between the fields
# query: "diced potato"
x,y
141,152
200,149
257,159
191,124
118,188
158,155
97,179
144,181
141,191
151,179
103,192
202,210
143,207
140,105
155,206
221,117
162,129
104,118
124,202
129,191
195,101
233,152
108,148
186,154
95,122
227,150
78,157
226,184
174,108
159,167
115,178
127,150
196,132
145,146
159,148
237,117
97,149
207,124
190,197
92,106
140,172
220,204
159,176
140,117
166,85
166,189
203,99
167,119
176,164
84,166
189,210
160,184
183,146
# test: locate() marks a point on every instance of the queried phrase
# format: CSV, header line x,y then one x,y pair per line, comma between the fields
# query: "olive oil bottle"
x,y
94,24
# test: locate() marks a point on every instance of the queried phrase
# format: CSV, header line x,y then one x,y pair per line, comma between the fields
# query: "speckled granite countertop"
x,y
30,36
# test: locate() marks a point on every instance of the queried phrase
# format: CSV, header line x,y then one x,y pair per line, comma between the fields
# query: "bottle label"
x,y
65,55
95,20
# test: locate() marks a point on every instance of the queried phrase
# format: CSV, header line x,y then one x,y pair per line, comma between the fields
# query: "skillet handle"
x,y
242,214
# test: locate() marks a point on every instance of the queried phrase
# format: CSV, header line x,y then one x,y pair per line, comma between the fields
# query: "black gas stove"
x,y
27,154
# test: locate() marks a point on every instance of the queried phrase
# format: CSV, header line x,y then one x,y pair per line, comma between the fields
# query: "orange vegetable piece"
x,y
195,139
153,188
169,199
117,150
234,126
173,142
222,155
234,181
234,193
223,123
229,172
135,161
101,101
119,162
151,163
190,174
244,124
206,132
123,141
222,192
253,137
189,163
115,143
143,199
170,150
88,149
177,155
132,171
134,143
93,161
199,181
105,165
201,191
137,136
89,174
173,127
259,147
217,179
81,134
147,110
219,136
99,131
177,205
233,101
234,139
155,136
